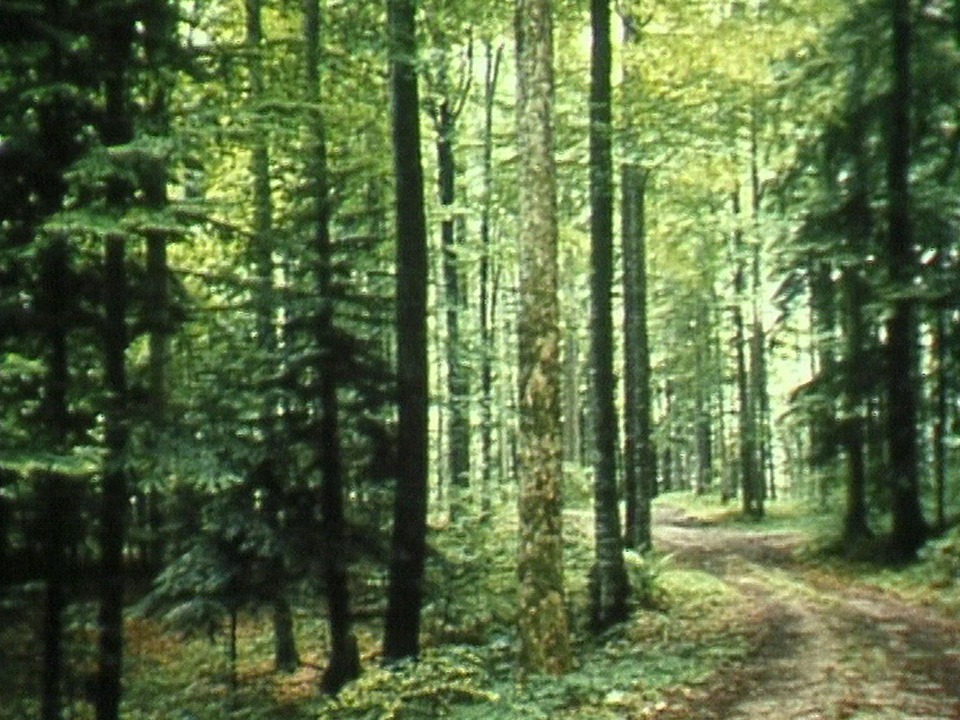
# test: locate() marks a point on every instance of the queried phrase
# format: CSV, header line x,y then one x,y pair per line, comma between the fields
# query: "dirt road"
x,y
830,649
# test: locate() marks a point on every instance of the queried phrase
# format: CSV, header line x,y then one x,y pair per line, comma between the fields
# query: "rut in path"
x,y
833,650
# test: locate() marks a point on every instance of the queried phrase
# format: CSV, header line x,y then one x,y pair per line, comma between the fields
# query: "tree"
x,y
446,110
609,587
492,60
544,641
639,455
405,593
859,232
909,526
344,664
116,130
269,468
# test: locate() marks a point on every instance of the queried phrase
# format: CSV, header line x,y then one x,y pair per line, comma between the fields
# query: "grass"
x,y
932,580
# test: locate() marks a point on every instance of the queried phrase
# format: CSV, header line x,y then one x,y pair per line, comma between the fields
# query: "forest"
x,y
479,359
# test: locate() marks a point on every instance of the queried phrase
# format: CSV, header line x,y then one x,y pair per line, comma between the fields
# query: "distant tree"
x,y
544,636
750,489
405,592
492,61
270,467
450,96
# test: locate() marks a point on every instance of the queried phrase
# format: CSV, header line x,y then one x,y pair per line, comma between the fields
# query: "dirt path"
x,y
830,649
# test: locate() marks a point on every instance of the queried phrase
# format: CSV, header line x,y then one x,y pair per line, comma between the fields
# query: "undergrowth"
x,y
686,625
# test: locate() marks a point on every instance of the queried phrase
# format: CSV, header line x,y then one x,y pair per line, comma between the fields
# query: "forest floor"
x,y
831,646
748,622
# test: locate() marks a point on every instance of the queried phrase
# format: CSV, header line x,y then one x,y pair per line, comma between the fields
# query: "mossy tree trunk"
x,y
544,635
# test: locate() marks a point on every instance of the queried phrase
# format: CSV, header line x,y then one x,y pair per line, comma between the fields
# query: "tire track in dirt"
x,y
830,649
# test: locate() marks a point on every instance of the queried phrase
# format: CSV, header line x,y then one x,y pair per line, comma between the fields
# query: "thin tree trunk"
x,y
50,486
608,578
158,354
285,651
758,346
544,634
114,483
940,419
405,592
344,663
748,479
757,391
52,299
491,75
458,382
116,129
640,456
572,440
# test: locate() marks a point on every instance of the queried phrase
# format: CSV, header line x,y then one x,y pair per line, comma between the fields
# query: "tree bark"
x,y
640,465
114,484
458,382
405,592
285,650
51,302
608,578
50,486
852,291
940,419
116,129
344,663
544,635
747,427
491,75
909,527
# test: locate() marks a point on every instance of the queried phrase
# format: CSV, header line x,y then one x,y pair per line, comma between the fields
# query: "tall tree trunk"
x,y
544,635
757,391
940,419
609,587
572,439
728,489
285,651
748,475
114,484
758,346
702,429
490,77
50,487
116,129
344,663
51,303
640,457
405,593
458,381
157,289
823,447
909,526
852,291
